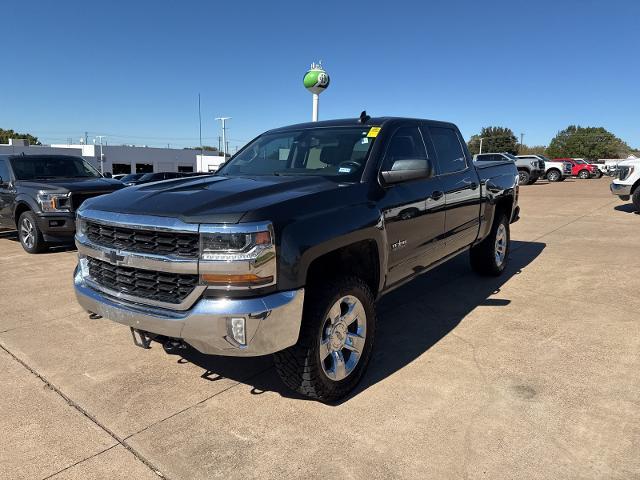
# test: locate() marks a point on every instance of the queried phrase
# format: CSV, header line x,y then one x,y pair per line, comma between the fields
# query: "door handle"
x,y
437,195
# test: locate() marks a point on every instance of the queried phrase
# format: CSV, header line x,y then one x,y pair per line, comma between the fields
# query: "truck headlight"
x,y
237,257
625,172
54,202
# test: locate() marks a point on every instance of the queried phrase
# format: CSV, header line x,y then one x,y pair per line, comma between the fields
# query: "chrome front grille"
x,y
163,287
178,244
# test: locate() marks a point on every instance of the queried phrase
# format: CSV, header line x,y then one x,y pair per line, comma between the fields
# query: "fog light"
x,y
238,330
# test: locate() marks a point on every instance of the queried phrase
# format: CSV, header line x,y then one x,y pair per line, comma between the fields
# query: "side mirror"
x,y
107,175
405,170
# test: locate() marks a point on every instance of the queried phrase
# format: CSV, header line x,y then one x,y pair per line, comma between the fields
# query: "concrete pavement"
x,y
532,375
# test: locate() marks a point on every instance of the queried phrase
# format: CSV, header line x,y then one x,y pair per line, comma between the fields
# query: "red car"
x,y
580,168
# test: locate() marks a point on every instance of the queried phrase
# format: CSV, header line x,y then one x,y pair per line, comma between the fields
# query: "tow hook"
x,y
141,338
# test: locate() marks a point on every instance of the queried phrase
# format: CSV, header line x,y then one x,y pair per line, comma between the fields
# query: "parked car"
x,y
581,169
39,195
626,185
152,177
287,248
131,177
529,171
553,171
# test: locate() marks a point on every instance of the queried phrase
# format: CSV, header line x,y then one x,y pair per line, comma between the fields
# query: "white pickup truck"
x,y
554,170
626,185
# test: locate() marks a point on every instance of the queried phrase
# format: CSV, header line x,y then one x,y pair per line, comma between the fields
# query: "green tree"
x,y
5,135
494,139
206,148
587,142
532,150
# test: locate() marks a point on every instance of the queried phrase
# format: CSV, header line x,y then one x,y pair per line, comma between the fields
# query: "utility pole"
x,y
86,137
101,156
219,143
481,144
224,135
521,138
200,121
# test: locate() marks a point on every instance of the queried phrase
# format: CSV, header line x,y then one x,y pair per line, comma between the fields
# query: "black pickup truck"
x,y
288,247
39,195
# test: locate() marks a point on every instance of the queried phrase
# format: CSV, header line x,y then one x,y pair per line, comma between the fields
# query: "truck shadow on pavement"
x,y
411,320
13,236
627,208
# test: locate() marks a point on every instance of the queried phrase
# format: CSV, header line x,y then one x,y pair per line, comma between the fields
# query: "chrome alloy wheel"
x,y
523,178
342,338
500,249
553,176
27,232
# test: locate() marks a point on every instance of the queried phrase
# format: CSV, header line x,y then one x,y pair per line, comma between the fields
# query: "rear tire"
x,y
490,257
635,198
336,338
30,235
532,180
523,177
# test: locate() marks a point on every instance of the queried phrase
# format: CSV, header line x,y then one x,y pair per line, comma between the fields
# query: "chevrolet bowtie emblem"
x,y
113,257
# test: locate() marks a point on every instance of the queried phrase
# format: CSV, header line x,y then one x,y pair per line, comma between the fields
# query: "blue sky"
x,y
133,70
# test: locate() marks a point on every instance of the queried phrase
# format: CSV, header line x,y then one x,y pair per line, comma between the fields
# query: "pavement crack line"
x,y
73,404
81,461
200,402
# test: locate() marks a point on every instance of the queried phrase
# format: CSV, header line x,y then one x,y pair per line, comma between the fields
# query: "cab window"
x,y
450,154
406,144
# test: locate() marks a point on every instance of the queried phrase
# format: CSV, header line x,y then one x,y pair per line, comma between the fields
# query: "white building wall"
x,y
160,159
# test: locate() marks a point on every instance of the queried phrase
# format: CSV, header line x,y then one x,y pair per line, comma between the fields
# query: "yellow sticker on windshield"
x,y
373,132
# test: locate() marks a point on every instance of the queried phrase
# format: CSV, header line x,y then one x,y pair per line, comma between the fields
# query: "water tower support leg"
x,y
314,116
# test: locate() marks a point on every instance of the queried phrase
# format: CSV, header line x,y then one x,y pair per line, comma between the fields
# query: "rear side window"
x,y
448,149
406,144
4,172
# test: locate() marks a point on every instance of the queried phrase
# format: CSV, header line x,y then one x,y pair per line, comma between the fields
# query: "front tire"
x,y
336,338
523,177
30,234
554,175
635,198
584,174
490,257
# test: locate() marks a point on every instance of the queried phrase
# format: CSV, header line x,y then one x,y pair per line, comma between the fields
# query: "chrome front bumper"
x,y
272,321
620,189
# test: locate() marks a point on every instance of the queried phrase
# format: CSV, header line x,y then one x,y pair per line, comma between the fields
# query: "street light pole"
x,y
224,135
481,144
101,156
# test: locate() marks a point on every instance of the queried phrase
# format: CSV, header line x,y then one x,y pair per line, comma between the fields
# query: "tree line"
x,y
5,135
573,142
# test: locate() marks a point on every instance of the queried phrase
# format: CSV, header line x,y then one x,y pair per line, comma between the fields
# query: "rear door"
x,y
413,210
461,186
7,196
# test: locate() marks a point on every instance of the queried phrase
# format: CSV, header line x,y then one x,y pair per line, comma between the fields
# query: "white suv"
x,y
626,185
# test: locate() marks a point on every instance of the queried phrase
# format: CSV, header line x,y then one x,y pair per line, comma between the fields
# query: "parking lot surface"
x,y
531,375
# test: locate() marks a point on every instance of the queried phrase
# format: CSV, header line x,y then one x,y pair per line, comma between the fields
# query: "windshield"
x,y
581,162
512,157
31,167
131,177
339,152
150,176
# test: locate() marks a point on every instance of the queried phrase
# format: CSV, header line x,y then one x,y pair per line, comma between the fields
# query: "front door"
x,y
7,196
413,211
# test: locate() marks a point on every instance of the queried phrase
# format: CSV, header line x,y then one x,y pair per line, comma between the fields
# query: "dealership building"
x,y
119,159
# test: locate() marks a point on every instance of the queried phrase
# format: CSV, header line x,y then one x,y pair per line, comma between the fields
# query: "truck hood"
x,y
214,199
629,162
65,185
